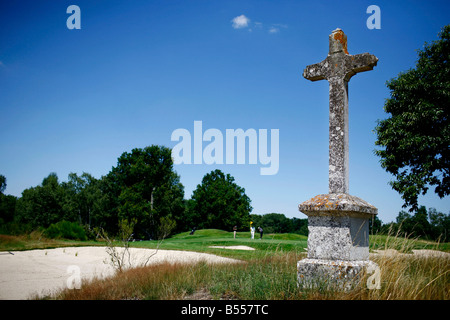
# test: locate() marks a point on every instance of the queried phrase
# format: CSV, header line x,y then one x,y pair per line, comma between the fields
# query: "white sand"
x,y
418,253
26,273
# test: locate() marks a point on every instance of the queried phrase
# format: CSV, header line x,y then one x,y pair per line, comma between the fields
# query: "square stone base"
x,y
338,227
331,274
338,238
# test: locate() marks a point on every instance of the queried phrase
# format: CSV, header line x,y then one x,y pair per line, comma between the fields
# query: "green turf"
x,y
202,240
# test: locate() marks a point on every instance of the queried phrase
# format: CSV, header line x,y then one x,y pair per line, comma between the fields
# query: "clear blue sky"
x,y
75,100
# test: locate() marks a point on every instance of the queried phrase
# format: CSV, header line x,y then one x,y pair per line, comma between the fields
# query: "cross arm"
x,y
315,72
360,63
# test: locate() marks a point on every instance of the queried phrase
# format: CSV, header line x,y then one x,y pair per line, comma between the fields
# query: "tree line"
x,y
143,187
279,223
425,224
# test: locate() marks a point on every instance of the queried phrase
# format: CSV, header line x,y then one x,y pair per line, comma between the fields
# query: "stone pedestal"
x,y
338,240
338,223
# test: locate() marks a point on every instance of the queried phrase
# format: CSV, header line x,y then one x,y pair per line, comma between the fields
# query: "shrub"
x,y
66,230
14,228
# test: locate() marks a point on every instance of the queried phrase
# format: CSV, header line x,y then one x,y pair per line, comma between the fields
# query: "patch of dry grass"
x,y
165,281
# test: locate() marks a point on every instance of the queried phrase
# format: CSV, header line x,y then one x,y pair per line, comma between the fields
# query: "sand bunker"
x,y
26,273
418,253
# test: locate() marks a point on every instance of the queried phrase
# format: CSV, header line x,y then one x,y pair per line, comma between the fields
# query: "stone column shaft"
x,y
338,170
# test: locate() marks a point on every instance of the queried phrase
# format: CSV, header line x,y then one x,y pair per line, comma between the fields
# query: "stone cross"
x,y
338,68
338,223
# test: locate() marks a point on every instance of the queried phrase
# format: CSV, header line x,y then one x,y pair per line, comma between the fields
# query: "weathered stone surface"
x,y
338,238
331,274
338,226
338,169
339,63
338,68
337,204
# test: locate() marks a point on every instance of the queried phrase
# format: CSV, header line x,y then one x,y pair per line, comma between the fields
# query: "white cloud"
x,y
275,28
281,25
240,22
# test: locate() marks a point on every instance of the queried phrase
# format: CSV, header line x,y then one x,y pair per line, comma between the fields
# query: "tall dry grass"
x,y
406,273
411,277
410,274
163,281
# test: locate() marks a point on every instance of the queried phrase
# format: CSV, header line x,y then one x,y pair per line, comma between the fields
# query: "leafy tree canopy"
x,y
218,202
415,138
7,203
2,183
148,187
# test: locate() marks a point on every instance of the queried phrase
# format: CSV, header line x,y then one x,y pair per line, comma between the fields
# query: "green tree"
x,y
147,186
191,217
7,208
42,205
81,196
375,225
279,223
7,203
422,227
440,225
105,208
404,223
220,203
274,223
2,183
415,138
300,226
170,204
416,225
